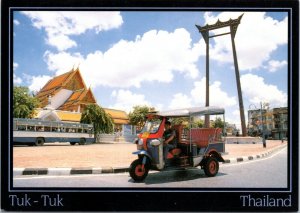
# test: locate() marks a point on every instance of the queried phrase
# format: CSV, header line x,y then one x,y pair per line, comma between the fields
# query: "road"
x,y
270,172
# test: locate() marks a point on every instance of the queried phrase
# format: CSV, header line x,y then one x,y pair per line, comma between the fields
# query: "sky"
x,y
155,58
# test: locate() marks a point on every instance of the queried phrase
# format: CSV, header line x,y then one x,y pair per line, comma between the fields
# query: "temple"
x,y
64,98
66,92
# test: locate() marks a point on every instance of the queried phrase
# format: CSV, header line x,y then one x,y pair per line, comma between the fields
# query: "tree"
x,y
138,116
23,103
218,123
102,122
186,121
177,121
199,123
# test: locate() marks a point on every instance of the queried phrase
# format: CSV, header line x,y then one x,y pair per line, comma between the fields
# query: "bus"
x,y
36,132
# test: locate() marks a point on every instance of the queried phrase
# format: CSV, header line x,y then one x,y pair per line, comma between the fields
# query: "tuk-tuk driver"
x,y
169,137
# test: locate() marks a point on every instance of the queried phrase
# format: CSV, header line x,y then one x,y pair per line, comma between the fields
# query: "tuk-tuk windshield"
x,y
151,125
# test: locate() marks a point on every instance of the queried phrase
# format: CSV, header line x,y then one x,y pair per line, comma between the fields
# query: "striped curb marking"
x,y
249,158
107,170
68,171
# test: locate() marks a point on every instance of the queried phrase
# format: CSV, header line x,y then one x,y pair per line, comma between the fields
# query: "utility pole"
x,y
262,126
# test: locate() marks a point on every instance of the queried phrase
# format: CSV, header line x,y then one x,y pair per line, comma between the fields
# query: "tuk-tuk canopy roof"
x,y
193,111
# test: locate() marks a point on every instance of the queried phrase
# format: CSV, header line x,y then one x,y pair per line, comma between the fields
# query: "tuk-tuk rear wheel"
x,y
211,167
137,171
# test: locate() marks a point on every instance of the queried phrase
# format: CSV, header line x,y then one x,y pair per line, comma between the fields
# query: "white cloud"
x,y
17,80
61,41
180,100
15,66
155,56
37,82
256,38
234,120
273,65
236,116
236,112
256,90
60,25
217,96
125,100
16,22
62,62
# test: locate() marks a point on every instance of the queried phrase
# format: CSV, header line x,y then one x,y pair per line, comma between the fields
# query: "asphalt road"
x,y
270,172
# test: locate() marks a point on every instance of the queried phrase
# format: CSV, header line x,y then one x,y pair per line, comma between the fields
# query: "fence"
x,y
108,138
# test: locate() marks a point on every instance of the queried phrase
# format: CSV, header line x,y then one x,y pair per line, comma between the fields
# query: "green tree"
x,y
138,115
176,121
23,103
186,121
102,122
199,123
218,123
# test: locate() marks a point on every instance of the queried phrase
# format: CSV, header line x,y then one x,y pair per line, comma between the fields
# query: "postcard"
x,y
150,106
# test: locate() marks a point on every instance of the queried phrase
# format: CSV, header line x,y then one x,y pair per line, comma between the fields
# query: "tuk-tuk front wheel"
x,y
211,167
137,171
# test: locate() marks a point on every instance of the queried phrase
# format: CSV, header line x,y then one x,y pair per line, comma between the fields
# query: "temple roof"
x,y
118,116
78,95
72,81
116,113
58,115
57,83
81,96
69,116
70,94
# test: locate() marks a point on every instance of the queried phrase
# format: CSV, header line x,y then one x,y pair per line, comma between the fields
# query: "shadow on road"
x,y
175,176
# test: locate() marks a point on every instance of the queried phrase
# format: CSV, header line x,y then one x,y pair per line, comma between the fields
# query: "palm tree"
x,y
102,122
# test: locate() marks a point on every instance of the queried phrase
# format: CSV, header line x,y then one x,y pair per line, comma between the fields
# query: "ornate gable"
x,y
74,82
52,87
89,97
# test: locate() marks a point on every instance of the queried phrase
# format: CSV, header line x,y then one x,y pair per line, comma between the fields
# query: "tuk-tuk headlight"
x,y
154,142
139,144
140,141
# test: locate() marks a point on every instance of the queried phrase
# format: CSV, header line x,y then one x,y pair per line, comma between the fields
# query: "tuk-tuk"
x,y
195,146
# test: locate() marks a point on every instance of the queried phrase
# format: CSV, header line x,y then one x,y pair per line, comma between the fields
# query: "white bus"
x,y
37,132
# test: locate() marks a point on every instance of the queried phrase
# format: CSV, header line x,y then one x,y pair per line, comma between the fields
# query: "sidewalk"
x,y
245,152
63,159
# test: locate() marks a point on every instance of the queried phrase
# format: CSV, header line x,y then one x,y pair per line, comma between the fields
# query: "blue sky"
x,y
155,58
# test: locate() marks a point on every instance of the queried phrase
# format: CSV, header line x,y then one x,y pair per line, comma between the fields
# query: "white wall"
x,y
60,98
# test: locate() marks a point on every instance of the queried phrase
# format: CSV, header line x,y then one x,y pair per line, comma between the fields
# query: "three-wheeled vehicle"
x,y
195,146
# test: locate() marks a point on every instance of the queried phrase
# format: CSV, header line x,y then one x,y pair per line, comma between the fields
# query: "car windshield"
x,y
152,125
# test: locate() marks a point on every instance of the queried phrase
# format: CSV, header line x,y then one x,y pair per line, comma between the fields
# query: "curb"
x,y
108,170
68,171
254,157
